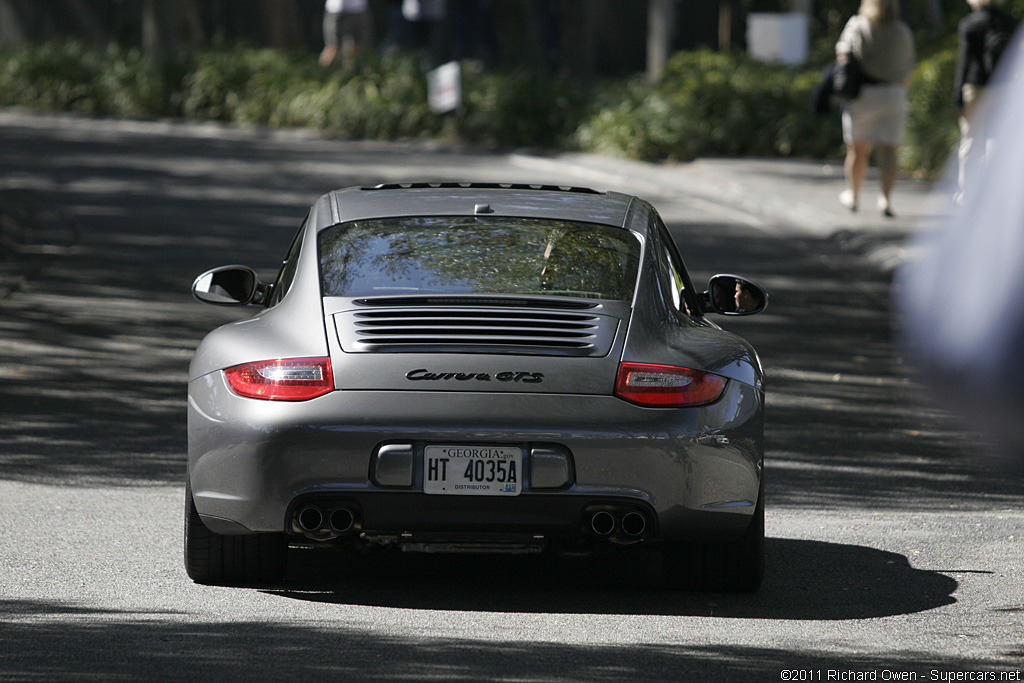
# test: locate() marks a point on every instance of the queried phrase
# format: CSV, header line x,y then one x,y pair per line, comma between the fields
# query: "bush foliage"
x,y
713,104
706,103
932,129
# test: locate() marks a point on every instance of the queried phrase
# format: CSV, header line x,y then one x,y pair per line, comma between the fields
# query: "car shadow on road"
x,y
821,581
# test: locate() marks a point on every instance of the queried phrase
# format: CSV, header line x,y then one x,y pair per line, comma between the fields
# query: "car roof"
x,y
468,199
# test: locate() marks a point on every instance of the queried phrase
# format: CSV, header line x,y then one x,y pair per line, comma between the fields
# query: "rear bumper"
x,y
692,472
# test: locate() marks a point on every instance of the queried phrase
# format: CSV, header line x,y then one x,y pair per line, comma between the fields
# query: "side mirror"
x,y
734,295
229,286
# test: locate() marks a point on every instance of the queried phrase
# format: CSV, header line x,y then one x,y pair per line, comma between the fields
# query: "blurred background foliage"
x,y
712,104
581,87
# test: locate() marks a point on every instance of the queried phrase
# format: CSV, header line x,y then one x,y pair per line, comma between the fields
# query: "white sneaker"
x,y
885,207
847,199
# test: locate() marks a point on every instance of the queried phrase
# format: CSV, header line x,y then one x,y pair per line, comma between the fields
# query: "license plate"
x,y
473,470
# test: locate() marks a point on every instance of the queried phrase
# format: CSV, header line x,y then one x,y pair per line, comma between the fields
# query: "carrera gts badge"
x,y
509,376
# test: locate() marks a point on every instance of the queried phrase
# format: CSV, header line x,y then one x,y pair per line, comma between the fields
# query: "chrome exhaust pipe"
x,y
602,523
634,524
310,519
341,520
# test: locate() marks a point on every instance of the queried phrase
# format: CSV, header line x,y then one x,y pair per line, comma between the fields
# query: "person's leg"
x,y
856,168
965,150
330,29
888,166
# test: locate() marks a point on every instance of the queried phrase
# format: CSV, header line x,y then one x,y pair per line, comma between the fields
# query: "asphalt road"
x,y
894,544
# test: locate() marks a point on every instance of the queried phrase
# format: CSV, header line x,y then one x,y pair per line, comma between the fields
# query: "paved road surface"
x,y
893,544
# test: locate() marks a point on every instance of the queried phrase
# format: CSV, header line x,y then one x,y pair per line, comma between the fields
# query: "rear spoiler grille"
x,y
476,302
475,329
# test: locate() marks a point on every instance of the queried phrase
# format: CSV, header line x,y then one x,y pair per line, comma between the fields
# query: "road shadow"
x,y
805,580
47,641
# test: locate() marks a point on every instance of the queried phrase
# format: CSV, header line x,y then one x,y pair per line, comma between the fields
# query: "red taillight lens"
x,y
667,386
284,379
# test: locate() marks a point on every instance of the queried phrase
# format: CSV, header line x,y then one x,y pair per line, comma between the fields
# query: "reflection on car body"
x,y
494,368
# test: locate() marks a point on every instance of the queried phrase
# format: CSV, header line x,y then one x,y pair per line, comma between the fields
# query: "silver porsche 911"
x,y
477,367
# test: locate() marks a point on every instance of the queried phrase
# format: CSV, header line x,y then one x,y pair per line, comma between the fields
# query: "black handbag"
x,y
821,94
847,78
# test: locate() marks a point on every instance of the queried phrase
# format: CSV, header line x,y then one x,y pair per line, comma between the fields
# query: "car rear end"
x,y
479,389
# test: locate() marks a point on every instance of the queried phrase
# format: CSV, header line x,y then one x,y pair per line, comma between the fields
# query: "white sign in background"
x,y
444,85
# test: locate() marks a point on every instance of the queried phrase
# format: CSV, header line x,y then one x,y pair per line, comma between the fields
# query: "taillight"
x,y
667,386
284,379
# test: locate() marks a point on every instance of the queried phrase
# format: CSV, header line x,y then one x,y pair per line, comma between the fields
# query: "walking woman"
x,y
884,46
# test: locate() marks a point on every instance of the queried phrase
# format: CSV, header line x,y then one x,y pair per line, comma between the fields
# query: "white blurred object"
x,y
444,88
351,6
423,10
962,299
778,38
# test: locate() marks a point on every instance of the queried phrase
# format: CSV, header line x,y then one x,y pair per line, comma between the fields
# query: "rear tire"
x,y
219,560
728,567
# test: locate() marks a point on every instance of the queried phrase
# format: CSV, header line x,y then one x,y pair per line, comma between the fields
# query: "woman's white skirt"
x,y
877,115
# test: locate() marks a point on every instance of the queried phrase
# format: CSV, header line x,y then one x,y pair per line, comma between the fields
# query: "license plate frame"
x,y
477,470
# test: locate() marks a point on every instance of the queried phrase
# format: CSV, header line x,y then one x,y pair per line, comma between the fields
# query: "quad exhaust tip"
x,y
634,524
341,520
602,523
630,524
312,521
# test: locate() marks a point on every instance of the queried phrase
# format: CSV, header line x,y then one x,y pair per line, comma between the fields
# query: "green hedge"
x,y
706,104
714,104
932,129
70,77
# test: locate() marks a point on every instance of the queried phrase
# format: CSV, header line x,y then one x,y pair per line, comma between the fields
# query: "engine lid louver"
x,y
474,328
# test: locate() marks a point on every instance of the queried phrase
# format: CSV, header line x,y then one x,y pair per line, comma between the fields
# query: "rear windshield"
x,y
478,255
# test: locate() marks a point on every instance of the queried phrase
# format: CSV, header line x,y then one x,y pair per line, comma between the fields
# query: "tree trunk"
x,y
12,29
189,24
579,36
660,21
91,28
281,24
158,35
933,15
